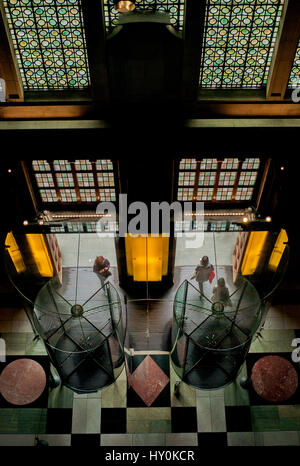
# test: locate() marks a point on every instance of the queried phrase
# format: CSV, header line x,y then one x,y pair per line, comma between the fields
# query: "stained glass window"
x,y
212,180
66,181
174,7
238,42
49,43
294,81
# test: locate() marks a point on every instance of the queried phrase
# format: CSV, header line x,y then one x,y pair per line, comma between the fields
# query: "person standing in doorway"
x,y
221,293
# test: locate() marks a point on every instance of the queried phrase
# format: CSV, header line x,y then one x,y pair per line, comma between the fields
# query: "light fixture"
x,y
282,168
41,221
124,6
245,220
268,219
25,222
9,170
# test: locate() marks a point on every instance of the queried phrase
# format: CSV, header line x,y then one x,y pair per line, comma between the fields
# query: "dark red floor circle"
x,y
22,381
274,378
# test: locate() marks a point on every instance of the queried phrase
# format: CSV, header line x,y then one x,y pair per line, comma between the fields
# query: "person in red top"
x,y
101,268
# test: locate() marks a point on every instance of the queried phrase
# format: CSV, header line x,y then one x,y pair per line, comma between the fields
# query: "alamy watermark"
x,y
296,91
135,219
2,350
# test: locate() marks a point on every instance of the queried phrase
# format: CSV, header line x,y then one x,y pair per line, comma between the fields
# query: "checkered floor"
x,y
150,414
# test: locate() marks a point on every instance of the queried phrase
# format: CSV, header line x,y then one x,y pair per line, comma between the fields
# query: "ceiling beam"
x,y
192,36
95,33
219,109
8,66
284,54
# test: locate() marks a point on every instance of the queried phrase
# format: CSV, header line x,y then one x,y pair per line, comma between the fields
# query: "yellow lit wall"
x,y
278,250
147,257
253,252
15,253
40,254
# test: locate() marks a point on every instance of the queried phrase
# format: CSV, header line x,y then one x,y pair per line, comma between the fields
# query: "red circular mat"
x,y
274,378
22,381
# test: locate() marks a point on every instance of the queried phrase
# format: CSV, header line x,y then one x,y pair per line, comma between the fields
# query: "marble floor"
x,y
119,415
151,414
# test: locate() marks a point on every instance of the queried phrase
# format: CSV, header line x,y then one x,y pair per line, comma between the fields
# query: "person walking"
x,y
221,293
203,272
101,268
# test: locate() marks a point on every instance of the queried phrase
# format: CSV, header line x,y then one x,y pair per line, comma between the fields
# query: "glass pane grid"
x,y
88,195
82,165
62,165
244,194
208,164
207,178
49,43
44,180
107,194
40,165
251,164
227,178
106,179
174,7
68,195
238,42
103,165
188,164
65,180
224,194
230,164
186,178
48,195
205,194
85,179
185,194
247,178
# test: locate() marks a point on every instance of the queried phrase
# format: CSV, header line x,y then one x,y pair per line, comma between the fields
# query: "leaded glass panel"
x,y
40,165
107,194
294,81
227,178
48,195
205,194
68,195
238,42
49,43
106,179
224,194
103,165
